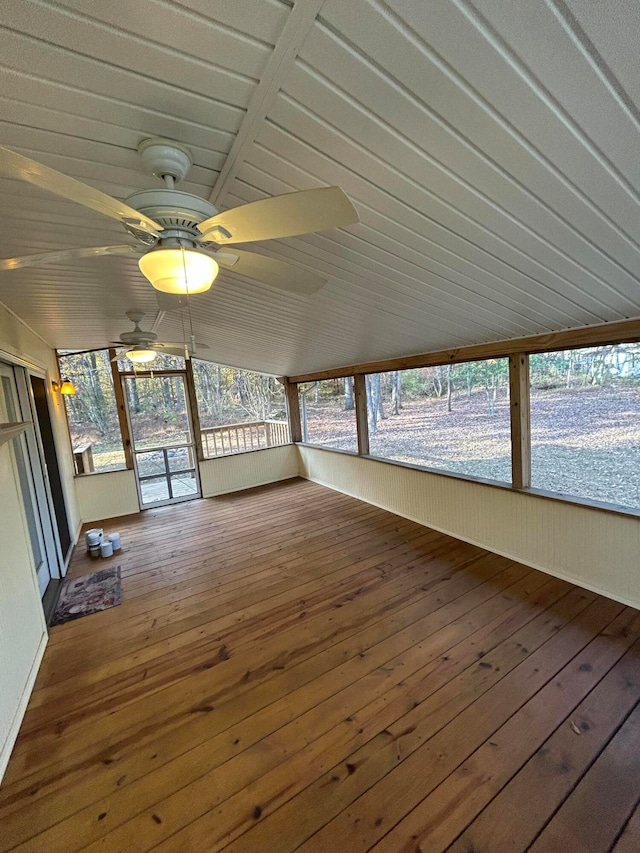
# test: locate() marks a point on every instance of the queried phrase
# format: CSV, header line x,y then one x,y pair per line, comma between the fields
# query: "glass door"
x,y
32,476
162,438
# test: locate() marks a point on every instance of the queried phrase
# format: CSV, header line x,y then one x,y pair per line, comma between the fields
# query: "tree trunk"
x,y
449,387
396,392
135,397
349,402
100,413
373,398
491,389
569,370
218,386
303,417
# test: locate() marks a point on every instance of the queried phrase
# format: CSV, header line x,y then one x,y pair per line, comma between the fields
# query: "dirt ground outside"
x,y
585,441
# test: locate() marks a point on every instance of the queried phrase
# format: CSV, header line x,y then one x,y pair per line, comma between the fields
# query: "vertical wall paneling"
x,y
245,470
107,495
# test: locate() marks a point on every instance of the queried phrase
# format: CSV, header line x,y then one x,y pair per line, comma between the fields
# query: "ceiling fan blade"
x,y
165,345
281,216
121,353
14,165
45,258
276,273
177,349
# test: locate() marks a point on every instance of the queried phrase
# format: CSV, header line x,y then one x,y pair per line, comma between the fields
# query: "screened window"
x,y
453,418
239,410
327,413
93,413
585,423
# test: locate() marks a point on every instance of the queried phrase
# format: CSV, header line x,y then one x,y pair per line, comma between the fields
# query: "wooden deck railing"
x,y
236,438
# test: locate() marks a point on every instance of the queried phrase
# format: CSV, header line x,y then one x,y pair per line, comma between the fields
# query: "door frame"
x,y
150,374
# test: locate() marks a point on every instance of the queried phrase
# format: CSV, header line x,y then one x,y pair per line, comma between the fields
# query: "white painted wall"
x,y
244,470
106,495
595,549
23,634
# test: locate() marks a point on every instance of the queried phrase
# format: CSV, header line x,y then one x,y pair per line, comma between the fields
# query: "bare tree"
x,y
396,392
349,402
374,401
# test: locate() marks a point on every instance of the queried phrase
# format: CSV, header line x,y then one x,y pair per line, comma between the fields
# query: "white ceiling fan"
x,y
142,346
179,234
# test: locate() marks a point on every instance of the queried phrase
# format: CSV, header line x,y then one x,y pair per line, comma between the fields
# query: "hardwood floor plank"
x,y
433,824
305,816
589,820
513,819
365,650
293,669
223,626
221,825
629,841
177,698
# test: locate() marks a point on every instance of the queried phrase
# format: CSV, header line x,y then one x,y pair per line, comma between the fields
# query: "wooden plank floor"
x,y
291,669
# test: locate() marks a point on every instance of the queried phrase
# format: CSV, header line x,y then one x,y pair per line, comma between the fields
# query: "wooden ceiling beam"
x,y
298,24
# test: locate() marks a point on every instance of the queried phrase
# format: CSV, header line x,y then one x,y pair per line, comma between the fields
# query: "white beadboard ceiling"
x,y
492,150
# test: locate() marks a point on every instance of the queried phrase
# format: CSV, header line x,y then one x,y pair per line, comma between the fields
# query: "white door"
x,y
46,556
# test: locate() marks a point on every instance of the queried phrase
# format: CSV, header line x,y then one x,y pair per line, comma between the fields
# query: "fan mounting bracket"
x,y
165,158
135,316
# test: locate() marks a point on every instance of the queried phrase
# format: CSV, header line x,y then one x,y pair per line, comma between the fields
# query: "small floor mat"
x,y
88,594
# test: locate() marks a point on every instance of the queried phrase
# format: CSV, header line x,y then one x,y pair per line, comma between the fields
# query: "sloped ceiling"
x,y
490,147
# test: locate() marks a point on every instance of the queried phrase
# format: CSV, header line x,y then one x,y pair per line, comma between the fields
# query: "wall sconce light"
x,y
66,387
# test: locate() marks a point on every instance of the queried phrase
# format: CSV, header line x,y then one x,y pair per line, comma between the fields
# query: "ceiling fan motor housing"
x,y
173,209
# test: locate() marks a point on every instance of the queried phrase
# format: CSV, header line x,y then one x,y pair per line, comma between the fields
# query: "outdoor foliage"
x,y
224,396
227,396
92,412
585,418
591,366
585,423
319,404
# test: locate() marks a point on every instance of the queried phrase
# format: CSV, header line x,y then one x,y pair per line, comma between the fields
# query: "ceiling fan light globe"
x,y
178,270
142,356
